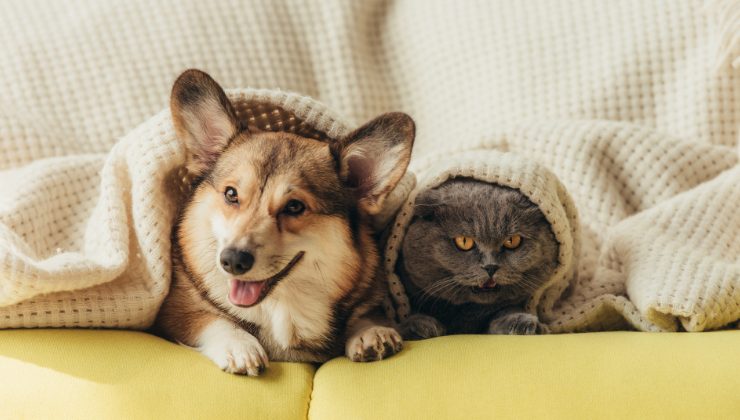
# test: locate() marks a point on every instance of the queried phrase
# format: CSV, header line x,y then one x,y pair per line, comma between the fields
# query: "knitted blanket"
x,y
632,105
645,264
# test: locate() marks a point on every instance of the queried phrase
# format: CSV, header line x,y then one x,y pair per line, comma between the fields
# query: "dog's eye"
x,y
464,243
294,208
513,241
230,195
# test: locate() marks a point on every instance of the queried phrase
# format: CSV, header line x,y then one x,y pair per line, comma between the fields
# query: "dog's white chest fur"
x,y
294,320
292,315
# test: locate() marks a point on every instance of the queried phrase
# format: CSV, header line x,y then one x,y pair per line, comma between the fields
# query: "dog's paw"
x,y
419,327
233,349
518,323
374,343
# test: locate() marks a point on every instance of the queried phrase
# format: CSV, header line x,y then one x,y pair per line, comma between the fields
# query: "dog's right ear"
x,y
203,117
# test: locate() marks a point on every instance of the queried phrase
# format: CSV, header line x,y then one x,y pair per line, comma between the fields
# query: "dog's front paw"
x,y
419,327
233,349
374,343
519,323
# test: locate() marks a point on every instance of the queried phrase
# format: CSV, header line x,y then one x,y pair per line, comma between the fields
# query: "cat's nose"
x,y
236,261
490,269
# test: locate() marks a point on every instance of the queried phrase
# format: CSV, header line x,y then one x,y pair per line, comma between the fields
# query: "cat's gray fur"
x,y
443,281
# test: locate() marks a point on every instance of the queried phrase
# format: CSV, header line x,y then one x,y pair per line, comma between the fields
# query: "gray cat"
x,y
472,257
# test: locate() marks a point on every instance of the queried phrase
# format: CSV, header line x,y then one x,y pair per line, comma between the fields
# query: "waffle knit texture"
x,y
634,106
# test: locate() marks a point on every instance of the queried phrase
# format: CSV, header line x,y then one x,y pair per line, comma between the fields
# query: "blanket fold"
x,y
655,245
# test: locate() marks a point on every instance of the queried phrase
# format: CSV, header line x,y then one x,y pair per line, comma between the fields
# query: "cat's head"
x,y
471,241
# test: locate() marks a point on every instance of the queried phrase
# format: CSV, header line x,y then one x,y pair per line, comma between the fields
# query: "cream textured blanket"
x,y
635,106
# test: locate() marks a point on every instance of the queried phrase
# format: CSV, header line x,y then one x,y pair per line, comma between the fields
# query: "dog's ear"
x,y
203,117
373,158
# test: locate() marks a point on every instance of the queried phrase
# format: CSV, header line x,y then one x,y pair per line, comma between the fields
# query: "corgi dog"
x,y
274,257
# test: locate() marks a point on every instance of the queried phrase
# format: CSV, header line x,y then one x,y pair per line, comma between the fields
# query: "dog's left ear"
x,y
373,158
203,118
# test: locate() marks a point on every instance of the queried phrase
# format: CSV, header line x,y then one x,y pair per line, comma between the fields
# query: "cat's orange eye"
x,y
513,241
464,243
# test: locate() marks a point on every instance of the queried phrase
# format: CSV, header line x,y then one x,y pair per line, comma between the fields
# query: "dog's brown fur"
x,y
329,301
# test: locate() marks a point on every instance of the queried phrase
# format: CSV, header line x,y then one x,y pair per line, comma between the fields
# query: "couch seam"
x,y
310,394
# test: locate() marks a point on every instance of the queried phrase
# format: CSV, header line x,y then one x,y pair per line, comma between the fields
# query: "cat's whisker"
x,y
439,287
452,290
528,283
459,291
444,281
433,291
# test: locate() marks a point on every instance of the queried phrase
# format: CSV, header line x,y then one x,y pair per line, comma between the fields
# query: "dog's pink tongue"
x,y
245,293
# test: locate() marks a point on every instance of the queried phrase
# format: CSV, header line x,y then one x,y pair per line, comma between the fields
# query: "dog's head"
x,y
276,207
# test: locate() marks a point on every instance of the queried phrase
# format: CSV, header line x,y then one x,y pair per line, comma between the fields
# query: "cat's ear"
x,y
373,158
426,204
203,118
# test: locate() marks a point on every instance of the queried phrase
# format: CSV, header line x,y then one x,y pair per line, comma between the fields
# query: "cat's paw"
x,y
233,349
518,323
419,327
374,343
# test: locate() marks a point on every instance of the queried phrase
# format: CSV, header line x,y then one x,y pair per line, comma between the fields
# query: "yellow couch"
x,y
61,374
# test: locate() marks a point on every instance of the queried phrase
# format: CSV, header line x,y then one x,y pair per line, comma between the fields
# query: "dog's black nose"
x,y
490,269
235,261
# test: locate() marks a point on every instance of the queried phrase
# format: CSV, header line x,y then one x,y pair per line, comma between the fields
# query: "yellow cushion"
x,y
604,375
50,374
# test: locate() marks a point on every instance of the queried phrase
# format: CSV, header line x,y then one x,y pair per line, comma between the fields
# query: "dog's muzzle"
x,y
249,293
